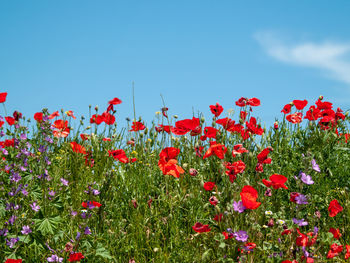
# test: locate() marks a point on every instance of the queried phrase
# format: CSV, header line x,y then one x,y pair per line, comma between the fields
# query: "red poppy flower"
x,y
335,250
293,195
169,153
216,149
226,123
323,105
300,104
184,126
286,232
13,260
238,149
213,200
93,203
288,261
167,162
262,156
336,233
227,235
253,102
77,148
1,123
98,119
218,217
243,115
75,257
38,116
295,117
216,109
249,196
347,255
3,97
276,181
137,126
210,132
287,108
313,113
70,114
119,155
208,186
62,128
253,127
53,115
164,128
339,114
334,208
10,120
84,136
164,112
200,228
303,239
244,102
115,101
108,118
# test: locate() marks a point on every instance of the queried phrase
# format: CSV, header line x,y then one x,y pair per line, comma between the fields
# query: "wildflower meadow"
x,y
223,189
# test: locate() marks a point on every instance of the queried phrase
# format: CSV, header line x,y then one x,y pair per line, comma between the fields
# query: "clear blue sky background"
x,y
69,54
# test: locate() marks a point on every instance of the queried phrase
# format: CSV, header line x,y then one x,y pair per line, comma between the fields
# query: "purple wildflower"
x,y
12,219
300,222
26,230
3,232
241,235
35,207
301,199
238,206
54,258
315,166
87,231
95,192
64,181
305,178
11,242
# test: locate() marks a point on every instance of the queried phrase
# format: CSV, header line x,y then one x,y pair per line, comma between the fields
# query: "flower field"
x,y
223,189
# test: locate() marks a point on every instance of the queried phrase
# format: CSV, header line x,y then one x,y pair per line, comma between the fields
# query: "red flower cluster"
x,y
168,163
263,159
233,169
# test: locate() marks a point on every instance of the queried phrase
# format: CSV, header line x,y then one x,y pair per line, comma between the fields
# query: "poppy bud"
x,y
268,192
96,108
193,172
88,127
270,223
320,97
134,203
275,125
175,116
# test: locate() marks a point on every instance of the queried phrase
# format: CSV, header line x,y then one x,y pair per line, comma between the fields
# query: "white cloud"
x,y
331,57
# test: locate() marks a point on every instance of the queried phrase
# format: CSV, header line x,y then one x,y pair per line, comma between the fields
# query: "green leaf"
x,y
102,252
47,225
206,254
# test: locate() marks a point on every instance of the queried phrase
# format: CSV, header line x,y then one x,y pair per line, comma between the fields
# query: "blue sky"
x,y
69,54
